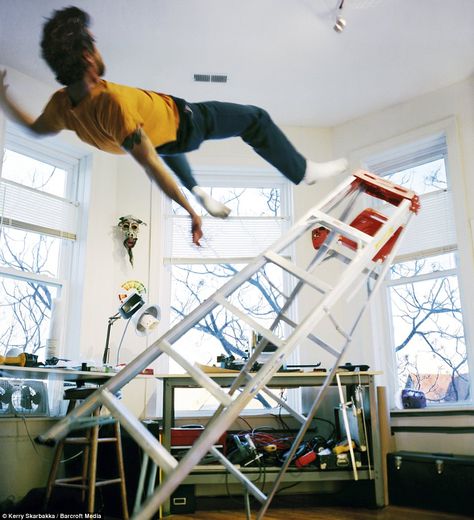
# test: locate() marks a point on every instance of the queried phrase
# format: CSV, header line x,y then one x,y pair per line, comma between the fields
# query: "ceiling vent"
x,y
211,78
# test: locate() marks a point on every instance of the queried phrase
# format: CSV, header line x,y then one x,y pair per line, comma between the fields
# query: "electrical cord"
x,y
33,443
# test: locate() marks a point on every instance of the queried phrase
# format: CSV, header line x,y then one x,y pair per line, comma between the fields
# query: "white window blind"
x,y
235,238
433,228
408,156
29,209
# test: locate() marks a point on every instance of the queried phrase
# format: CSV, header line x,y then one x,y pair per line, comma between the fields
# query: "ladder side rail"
x,y
137,430
347,429
301,433
339,194
312,337
283,404
62,428
233,470
311,414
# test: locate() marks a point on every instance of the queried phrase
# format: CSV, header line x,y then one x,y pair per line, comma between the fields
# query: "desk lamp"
x,y
144,317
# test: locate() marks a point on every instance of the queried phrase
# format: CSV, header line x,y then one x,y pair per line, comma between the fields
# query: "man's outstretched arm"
x,y
139,146
18,115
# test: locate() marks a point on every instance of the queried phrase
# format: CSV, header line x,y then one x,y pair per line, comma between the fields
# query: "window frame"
x,y
53,151
381,325
233,178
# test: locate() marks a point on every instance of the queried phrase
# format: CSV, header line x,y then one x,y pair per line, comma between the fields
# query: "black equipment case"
x,y
437,481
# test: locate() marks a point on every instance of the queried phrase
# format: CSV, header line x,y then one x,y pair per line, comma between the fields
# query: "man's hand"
x,y
14,112
196,229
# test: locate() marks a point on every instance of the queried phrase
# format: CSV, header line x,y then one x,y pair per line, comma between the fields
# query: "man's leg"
x,y
256,128
181,167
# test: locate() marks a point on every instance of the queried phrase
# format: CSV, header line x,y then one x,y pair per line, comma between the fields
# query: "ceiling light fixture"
x,y
340,24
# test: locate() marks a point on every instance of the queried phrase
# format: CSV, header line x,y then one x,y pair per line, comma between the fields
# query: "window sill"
x,y
434,411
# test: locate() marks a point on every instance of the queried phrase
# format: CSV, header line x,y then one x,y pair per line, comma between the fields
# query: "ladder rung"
x,y
312,337
266,333
197,374
342,228
137,430
300,273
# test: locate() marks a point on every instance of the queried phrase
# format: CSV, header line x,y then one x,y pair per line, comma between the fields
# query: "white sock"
x,y
212,206
319,171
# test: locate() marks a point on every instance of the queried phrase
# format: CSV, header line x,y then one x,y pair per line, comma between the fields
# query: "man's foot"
x,y
212,206
320,171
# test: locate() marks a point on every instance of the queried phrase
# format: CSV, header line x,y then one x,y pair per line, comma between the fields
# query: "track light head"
x,y
340,24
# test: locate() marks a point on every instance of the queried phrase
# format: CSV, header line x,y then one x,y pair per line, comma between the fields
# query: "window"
x,y
260,214
424,303
38,213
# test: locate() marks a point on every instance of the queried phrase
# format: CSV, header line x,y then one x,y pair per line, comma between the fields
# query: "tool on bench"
x,y
22,360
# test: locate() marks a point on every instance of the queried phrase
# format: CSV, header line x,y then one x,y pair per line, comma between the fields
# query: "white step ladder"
x,y
354,245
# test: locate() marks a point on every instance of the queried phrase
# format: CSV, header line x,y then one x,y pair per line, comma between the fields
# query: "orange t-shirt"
x,y
111,112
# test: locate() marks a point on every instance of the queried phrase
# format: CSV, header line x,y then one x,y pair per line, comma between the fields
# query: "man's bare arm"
x,y
139,146
18,115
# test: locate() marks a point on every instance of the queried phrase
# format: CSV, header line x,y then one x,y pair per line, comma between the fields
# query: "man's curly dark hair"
x,y
65,38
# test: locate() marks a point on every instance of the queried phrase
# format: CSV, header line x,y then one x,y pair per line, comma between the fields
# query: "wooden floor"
x,y
324,513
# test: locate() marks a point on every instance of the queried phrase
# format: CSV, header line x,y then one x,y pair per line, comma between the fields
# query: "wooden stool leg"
x,y
55,466
121,470
93,465
85,467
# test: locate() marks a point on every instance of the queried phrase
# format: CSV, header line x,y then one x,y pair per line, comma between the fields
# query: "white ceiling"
x,y
280,54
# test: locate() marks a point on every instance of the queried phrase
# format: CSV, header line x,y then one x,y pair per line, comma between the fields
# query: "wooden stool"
x,y
88,481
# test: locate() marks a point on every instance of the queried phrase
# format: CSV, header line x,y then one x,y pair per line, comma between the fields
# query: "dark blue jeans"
x,y
216,120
